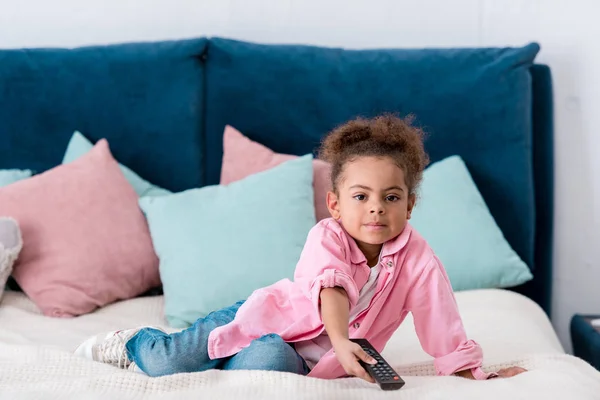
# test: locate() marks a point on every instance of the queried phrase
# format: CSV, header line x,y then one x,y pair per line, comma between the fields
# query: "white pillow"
x,y
11,243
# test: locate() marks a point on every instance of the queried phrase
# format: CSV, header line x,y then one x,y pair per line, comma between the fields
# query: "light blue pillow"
x,y
217,244
80,145
453,217
9,176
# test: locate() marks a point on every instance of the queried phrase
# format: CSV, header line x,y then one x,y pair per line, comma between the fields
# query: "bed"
x,y
36,359
511,324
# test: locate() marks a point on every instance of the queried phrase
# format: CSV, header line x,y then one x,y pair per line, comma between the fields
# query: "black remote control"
x,y
382,372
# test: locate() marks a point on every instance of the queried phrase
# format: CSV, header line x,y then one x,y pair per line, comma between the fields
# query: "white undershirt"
x,y
312,350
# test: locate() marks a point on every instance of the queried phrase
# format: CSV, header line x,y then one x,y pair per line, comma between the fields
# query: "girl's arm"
x,y
335,314
439,326
325,275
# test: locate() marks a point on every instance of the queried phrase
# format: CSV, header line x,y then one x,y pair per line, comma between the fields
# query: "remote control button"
x,y
396,378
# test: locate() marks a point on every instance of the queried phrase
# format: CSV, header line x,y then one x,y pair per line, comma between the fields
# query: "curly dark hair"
x,y
383,136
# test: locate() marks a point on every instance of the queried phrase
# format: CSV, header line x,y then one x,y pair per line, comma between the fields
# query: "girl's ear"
x,y
411,203
333,205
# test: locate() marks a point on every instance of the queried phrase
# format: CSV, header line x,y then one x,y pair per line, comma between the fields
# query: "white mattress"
x,y
504,323
36,359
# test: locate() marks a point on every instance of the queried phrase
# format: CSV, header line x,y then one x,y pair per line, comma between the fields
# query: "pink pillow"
x,y
86,242
243,157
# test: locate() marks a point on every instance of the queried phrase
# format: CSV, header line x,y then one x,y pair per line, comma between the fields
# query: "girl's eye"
x,y
392,197
360,197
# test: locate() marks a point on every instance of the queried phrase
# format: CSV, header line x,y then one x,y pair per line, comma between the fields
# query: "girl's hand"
x,y
503,373
348,353
510,371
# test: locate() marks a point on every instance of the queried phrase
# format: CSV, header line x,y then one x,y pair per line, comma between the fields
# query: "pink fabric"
x,y
86,241
243,157
412,280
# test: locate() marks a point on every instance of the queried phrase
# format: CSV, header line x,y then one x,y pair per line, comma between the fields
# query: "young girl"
x,y
360,273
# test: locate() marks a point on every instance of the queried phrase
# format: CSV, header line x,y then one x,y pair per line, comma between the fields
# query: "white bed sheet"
x,y
36,359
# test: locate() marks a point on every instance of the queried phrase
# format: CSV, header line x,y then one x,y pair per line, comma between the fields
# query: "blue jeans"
x,y
158,353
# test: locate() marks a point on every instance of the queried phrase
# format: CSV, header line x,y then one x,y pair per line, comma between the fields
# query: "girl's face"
x,y
373,202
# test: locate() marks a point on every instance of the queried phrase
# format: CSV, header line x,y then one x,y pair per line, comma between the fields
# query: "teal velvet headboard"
x,y
540,288
163,107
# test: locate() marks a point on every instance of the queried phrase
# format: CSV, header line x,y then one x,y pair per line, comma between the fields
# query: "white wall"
x,y
565,29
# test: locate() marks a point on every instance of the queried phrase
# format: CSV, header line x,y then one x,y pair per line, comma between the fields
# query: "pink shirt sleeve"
x,y
323,264
439,326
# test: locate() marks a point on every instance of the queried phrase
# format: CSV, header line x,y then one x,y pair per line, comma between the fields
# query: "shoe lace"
x,y
114,350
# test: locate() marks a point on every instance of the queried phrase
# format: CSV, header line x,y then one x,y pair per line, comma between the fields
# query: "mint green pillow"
x,y
80,145
9,176
217,244
453,217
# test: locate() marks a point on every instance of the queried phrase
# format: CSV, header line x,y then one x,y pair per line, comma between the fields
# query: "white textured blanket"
x,y
36,360
28,372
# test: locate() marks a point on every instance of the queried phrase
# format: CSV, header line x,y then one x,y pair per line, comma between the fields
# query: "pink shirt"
x,y
412,280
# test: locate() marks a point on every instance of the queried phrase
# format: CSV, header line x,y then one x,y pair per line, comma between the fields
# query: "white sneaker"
x,y
108,348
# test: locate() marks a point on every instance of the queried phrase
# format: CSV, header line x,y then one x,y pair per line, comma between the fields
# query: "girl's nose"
x,y
376,209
